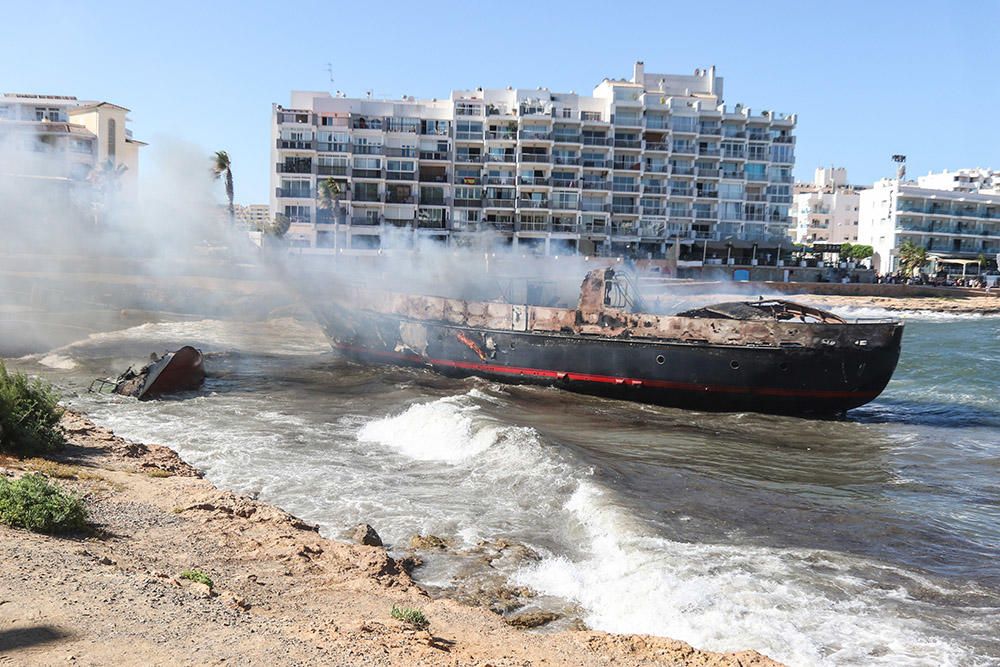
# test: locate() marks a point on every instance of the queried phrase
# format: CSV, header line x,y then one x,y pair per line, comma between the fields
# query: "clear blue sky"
x,y
867,79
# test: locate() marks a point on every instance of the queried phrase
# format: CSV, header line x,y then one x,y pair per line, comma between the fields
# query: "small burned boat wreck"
x,y
181,370
764,356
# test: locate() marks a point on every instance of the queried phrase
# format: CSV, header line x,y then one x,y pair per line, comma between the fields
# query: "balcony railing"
x,y
507,158
705,172
681,170
400,199
367,220
716,131
500,203
567,138
565,204
366,173
467,180
401,152
654,189
654,210
682,192
571,160
657,124
625,187
624,229
294,193
469,203
333,147
500,135
628,143
756,177
595,207
433,178
657,146
707,194
597,164
290,144
294,167
435,200
468,158
535,157
433,155
370,197
468,136
627,165
528,135
739,175
331,170
531,180
625,209
657,168
533,226
532,203
680,213
432,224
704,151
398,222
595,185
701,214
597,141
594,227
564,226
784,140
367,149
684,149
400,175
565,183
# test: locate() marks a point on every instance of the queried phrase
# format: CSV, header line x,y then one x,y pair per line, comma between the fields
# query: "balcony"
x,y
597,164
657,146
500,203
596,185
737,175
331,170
702,214
711,130
369,197
333,147
469,203
565,204
657,168
565,183
628,143
564,227
433,200
625,209
562,138
401,152
594,207
393,198
681,170
650,229
294,193
367,149
781,178
532,203
468,136
535,157
366,220
598,227
501,180
684,149
504,158
625,187
624,229
529,180
531,135
756,177
467,180
400,175
657,124
398,222
705,172
295,144
757,134
707,194
705,151
294,167
433,178
784,140
654,189
469,158
654,210
597,141
533,226
627,165
433,155
432,224
366,173
682,192
570,160
501,135
734,154
678,213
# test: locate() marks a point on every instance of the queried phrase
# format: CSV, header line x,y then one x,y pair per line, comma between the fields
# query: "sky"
x,y
867,79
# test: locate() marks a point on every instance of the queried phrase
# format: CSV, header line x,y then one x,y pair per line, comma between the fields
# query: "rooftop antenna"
x,y
901,169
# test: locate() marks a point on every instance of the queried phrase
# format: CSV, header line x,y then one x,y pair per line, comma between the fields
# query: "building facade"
x,y
950,224
61,140
635,167
963,180
826,210
253,216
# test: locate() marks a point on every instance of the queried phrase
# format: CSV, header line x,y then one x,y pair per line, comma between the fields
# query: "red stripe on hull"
x,y
608,379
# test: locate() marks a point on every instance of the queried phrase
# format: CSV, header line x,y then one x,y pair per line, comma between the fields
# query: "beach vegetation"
x,y
198,577
29,415
911,257
34,503
413,617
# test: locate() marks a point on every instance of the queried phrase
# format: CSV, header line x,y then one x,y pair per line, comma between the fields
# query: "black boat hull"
x,y
780,380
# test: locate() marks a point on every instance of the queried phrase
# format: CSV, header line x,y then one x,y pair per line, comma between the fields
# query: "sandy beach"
x,y
281,593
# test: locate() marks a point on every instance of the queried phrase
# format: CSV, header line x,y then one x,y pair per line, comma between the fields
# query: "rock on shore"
x,y
279,592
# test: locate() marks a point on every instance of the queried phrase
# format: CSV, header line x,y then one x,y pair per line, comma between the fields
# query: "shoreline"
x,y
281,594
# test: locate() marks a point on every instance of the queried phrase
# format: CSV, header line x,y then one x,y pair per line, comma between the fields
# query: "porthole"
x,y
783,366
512,345
735,365
660,358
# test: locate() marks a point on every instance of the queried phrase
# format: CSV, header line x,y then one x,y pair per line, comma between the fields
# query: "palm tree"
x,y
279,228
911,257
223,165
328,194
106,180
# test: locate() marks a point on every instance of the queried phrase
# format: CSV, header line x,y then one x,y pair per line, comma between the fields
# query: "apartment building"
x,y
950,224
252,216
60,140
963,180
639,165
826,210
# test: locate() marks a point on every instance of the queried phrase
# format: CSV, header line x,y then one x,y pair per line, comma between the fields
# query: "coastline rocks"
x,y
428,542
531,619
366,535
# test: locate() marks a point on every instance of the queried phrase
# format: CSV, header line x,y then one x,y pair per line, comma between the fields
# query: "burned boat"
x,y
181,370
764,356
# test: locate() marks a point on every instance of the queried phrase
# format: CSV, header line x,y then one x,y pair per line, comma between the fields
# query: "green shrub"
x,y
197,576
29,415
32,502
414,617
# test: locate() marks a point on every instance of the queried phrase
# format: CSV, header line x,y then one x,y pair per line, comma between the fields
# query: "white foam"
x,y
52,360
442,430
729,598
852,312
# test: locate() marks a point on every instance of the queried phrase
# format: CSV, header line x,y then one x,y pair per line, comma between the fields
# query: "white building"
x,y
962,180
950,224
826,210
61,140
253,216
629,170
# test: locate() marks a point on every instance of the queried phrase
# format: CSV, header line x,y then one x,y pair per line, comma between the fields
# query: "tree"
x,y
224,166
845,251
860,252
982,261
280,226
911,257
328,194
106,180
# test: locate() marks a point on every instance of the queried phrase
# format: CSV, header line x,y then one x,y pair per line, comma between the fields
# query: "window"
x,y
468,109
467,129
298,214
81,146
567,112
4,112
590,115
112,130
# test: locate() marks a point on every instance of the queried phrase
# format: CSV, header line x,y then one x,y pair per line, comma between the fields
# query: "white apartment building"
x,y
962,180
950,224
59,139
826,210
252,216
638,165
